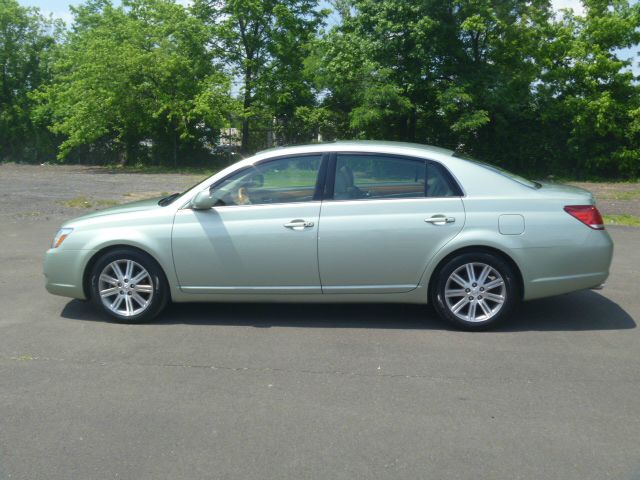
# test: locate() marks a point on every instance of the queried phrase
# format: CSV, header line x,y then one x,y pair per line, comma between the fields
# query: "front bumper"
x,y
64,270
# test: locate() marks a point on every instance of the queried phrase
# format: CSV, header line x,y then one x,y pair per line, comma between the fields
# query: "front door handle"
x,y
440,220
299,224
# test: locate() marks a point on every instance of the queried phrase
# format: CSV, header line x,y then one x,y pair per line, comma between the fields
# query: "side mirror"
x,y
203,201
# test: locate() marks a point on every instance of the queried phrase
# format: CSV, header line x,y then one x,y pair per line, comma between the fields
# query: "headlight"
x,y
60,237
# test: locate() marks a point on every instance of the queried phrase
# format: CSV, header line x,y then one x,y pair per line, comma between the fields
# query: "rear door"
x,y
385,218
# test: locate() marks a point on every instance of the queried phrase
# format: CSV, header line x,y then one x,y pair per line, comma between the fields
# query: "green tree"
x,y
26,41
505,80
429,70
589,99
134,73
265,42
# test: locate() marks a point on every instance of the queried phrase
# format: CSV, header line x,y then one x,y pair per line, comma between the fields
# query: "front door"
x,y
261,237
388,217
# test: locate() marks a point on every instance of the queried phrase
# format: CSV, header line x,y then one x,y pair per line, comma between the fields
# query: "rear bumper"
x,y
546,287
63,272
557,270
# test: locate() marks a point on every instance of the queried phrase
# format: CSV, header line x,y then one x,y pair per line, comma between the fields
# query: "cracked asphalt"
x,y
305,391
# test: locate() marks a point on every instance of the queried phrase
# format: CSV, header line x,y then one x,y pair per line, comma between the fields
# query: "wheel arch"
x,y
478,248
86,274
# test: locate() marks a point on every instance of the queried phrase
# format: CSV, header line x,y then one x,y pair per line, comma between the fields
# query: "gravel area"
x,y
614,198
36,191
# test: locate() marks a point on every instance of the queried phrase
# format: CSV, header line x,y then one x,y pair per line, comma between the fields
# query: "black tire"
x,y
156,282
444,306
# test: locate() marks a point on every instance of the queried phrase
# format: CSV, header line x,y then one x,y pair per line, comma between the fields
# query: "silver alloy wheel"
x,y
125,288
475,292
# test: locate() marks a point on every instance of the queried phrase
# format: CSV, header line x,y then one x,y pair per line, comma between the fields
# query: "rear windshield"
x,y
501,171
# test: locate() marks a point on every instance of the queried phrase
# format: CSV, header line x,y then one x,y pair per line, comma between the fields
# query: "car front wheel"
x,y
475,290
128,286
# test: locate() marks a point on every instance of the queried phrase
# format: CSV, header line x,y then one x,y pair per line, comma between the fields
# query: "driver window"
x,y
285,180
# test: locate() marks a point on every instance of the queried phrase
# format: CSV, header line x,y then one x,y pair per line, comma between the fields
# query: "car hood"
x,y
140,205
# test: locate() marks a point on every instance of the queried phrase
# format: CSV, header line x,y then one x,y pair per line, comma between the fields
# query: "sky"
x,y
60,9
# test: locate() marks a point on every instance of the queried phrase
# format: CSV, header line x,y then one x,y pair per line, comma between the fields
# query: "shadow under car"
x,y
584,310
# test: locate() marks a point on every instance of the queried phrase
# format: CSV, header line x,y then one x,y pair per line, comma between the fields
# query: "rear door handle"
x,y
440,220
299,224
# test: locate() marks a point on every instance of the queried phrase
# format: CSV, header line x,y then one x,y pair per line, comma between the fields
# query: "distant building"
x,y
230,137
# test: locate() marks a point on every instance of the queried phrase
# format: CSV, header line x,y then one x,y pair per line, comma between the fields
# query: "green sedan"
x,y
367,222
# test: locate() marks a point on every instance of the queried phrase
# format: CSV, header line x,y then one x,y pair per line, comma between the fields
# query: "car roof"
x,y
360,145
474,178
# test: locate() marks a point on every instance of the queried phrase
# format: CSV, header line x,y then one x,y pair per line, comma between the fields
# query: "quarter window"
x,y
440,183
284,180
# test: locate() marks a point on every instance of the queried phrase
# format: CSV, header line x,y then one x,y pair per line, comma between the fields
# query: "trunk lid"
x,y
568,192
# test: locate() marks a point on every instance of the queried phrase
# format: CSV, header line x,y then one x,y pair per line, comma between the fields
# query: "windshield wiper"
x,y
167,200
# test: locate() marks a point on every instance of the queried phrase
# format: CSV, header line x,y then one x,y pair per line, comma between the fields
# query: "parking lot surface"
x,y
303,391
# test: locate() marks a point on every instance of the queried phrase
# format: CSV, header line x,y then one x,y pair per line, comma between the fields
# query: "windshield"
x,y
168,200
501,171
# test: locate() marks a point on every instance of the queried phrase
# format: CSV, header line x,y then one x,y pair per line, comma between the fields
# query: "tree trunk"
x,y
244,147
124,157
36,137
125,153
175,148
412,125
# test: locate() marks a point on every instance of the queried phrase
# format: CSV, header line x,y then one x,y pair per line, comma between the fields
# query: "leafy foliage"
x,y
265,42
134,73
507,81
26,43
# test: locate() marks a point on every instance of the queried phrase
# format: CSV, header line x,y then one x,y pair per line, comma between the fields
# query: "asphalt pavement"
x,y
315,391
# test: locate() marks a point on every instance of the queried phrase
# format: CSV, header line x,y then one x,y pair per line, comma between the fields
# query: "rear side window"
x,y
378,176
372,176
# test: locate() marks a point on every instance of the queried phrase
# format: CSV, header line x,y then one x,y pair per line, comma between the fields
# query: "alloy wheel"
x,y
475,292
125,288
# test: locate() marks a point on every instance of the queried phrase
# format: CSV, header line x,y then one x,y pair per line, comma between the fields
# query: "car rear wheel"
x,y
475,290
128,286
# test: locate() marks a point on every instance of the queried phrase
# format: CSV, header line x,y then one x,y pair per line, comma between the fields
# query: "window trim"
x,y
329,192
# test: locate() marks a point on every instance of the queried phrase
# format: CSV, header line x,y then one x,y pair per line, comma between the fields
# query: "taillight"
x,y
587,214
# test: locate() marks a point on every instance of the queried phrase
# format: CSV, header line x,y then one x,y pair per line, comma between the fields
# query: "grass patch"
x,y
85,202
590,179
135,196
77,202
23,358
627,220
107,203
624,195
156,169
